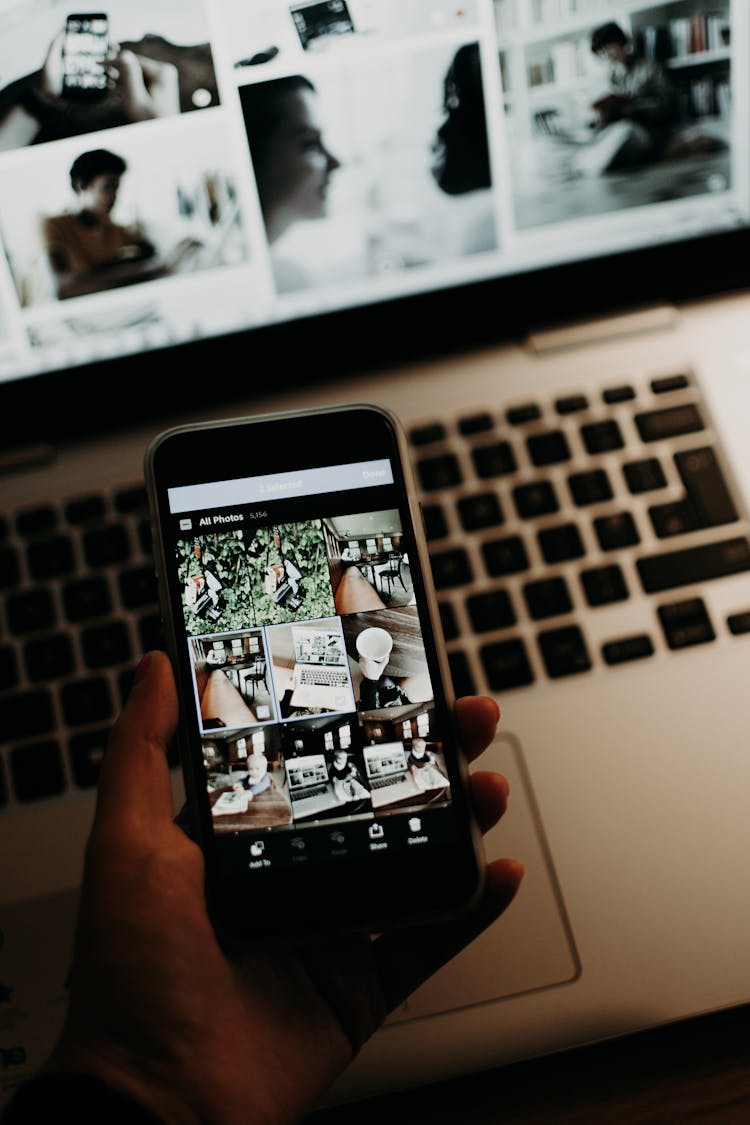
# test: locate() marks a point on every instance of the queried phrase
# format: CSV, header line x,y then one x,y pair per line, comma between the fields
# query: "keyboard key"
x,y
451,568
49,658
644,476
125,684
480,511
86,509
506,665
558,544
475,424
50,558
670,383
572,404
133,499
686,624
626,649
26,713
86,751
86,598
547,597
10,568
8,667
591,487
521,415
613,395
35,521
37,771
86,701
616,532
150,632
426,435
603,585
739,623
705,486
505,556
435,524
463,681
656,425
104,546
602,437
496,460
535,499
106,645
564,652
448,621
28,611
4,528
144,537
694,565
493,610
439,472
548,449
138,587
677,518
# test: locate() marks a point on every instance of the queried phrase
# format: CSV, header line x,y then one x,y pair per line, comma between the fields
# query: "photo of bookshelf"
x,y
611,105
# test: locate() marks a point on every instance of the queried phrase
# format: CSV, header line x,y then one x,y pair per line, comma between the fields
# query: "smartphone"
x,y
323,769
85,47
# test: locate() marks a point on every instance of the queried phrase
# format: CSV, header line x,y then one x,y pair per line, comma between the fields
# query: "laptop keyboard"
x,y
544,522
545,517
323,677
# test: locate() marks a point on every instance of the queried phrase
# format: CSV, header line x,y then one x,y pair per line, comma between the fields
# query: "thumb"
x,y
135,791
131,75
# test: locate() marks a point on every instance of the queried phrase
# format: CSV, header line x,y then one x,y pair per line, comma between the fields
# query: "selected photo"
x,y
406,774
310,668
618,113
396,172
103,213
240,579
387,661
368,563
69,72
232,680
246,780
325,767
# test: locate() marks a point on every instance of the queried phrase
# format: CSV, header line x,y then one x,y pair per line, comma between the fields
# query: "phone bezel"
x,y
383,890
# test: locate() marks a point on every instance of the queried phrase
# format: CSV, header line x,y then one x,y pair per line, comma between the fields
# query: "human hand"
x,y
50,80
159,1011
149,88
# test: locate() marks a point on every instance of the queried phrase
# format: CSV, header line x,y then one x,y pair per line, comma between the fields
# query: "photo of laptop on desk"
x,y
570,358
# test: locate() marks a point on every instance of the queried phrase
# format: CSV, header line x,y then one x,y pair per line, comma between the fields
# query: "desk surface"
x,y
693,1071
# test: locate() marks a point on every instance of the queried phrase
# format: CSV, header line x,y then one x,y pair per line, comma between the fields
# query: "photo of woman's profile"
x,y
292,164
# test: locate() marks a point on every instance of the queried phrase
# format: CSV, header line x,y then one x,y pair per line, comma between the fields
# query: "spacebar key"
x,y
698,564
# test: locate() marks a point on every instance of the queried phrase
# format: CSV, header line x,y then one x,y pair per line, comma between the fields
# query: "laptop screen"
x,y
177,170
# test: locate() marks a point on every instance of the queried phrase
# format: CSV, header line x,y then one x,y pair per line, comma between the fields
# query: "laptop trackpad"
x,y
530,946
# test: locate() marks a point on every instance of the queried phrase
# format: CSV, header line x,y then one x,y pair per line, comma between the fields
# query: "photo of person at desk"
x,y
310,670
403,774
246,780
232,681
367,561
325,767
387,660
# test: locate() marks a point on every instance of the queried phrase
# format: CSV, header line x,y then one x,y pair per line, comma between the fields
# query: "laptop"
x,y
569,355
321,681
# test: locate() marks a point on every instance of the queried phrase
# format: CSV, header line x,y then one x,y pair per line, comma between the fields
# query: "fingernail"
x,y
142,670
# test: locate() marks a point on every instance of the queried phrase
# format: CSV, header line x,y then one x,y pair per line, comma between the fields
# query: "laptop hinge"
x,y
657,318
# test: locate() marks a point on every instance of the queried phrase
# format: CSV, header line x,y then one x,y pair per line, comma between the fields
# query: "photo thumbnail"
x,y
68,73
269,32
232,680
89,218
246,780
387,661
239,579
368,564
406,774
310,669
325,768
619,112
388,180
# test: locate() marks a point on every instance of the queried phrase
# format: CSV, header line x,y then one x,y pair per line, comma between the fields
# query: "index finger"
x,y
478,716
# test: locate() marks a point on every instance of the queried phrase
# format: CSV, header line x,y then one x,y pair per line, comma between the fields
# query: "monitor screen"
x,y
253,162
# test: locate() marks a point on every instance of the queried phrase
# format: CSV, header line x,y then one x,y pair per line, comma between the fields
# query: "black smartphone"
x,y
85,47
323,769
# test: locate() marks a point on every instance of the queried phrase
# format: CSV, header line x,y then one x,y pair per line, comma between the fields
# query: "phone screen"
x,y
320,745
84,53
